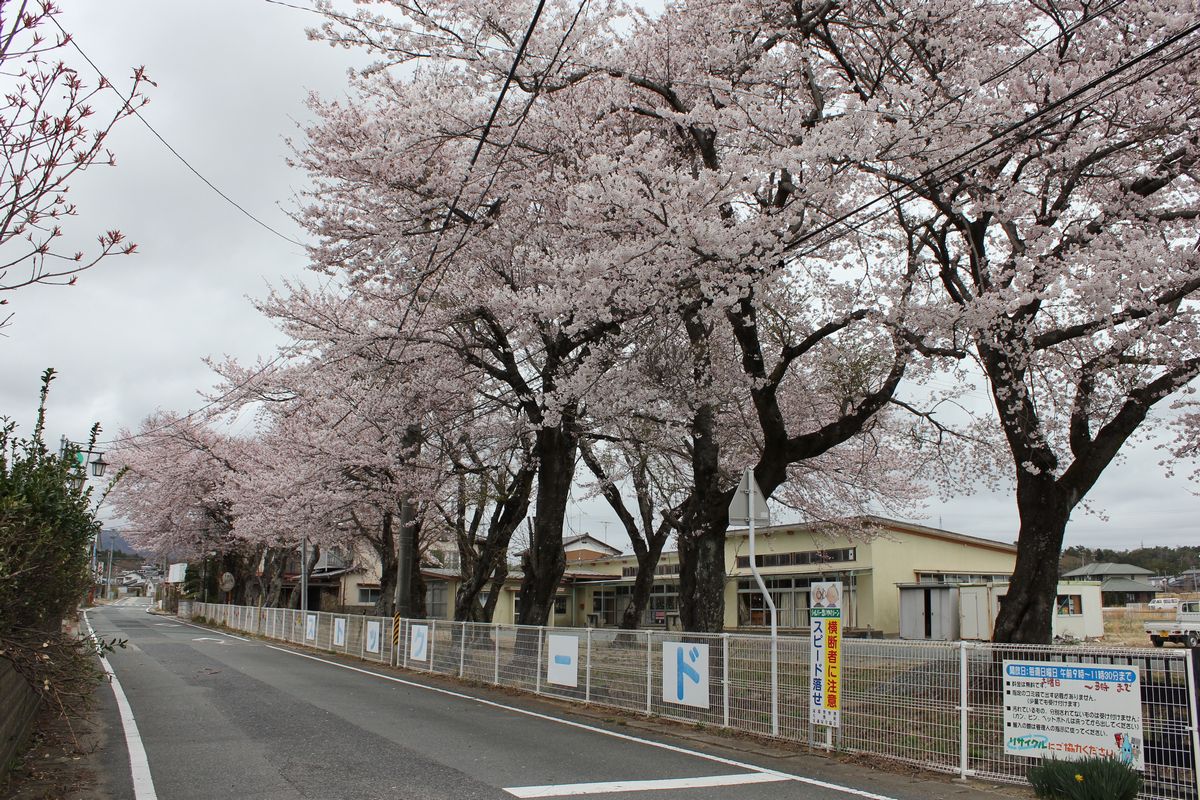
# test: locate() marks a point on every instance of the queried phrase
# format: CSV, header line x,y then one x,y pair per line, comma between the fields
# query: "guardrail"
x,y
936,705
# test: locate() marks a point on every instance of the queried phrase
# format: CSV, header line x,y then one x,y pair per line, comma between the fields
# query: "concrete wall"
x,y
18,707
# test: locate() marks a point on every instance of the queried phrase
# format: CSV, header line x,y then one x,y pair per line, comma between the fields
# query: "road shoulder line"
x,y
139,765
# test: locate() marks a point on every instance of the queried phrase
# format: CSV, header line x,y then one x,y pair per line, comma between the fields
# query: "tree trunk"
x,y
385,548
314,555
544,562
491,563
702,581
647,563
1027,611
702,537
273,567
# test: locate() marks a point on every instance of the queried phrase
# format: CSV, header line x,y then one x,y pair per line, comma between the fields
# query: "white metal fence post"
x,y
407,637
587,675
462,650
725,677
432,642
537,667
1191,699
496,673
963,712
649,670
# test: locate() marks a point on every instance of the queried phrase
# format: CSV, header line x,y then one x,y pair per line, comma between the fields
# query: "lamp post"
x,y
83,457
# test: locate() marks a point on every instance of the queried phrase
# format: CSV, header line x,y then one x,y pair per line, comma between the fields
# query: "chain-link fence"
x,y
936,705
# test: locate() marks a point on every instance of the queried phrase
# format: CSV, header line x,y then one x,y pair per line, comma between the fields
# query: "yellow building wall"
x,y
898,556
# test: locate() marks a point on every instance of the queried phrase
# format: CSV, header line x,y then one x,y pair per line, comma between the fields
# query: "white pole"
x,y
649,671
537,684
304,574
963,712
462,650
725,676
1189,655
587,676
762,587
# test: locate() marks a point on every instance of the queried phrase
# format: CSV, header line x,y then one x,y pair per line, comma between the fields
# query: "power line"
x,y
129,102
604,69
929,175
413,297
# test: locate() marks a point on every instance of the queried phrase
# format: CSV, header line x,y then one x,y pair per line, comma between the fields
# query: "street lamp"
x,y
82,457
77,479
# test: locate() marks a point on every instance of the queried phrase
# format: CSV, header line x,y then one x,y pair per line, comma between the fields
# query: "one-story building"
x,y
1120,584
873,557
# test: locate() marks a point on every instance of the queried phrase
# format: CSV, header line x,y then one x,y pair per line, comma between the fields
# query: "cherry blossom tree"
x,y
179,492
50,133
1058,224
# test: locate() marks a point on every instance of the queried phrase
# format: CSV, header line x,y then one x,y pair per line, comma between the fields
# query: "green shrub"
x,y
46,528
1094,778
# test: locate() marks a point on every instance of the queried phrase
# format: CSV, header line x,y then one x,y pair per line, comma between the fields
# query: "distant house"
x,y
586,547
1186,581
1120,584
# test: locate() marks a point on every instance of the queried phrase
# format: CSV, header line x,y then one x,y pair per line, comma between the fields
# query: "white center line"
x,y
139,765
571,789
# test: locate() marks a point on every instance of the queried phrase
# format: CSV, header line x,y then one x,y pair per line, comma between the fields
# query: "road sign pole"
x,y
748,482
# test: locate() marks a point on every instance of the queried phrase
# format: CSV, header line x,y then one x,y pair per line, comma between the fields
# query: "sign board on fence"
x,y
339,632
1073,711
310,626
685,674
418,642
177,573
562,659
825,684
373,631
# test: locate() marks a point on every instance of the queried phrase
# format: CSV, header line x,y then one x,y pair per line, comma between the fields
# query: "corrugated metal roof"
x,y
1126,585
1104,568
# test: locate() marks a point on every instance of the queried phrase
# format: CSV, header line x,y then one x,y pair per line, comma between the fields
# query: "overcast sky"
x,y
132,335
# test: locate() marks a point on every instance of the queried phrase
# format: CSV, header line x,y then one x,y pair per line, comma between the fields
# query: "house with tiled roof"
x,y
1120,584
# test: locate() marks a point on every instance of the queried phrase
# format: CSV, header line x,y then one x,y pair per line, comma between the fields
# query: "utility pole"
x,y
108,580
404,559
406,539
304,573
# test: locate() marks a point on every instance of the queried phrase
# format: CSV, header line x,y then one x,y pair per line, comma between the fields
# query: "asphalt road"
x,y
225,717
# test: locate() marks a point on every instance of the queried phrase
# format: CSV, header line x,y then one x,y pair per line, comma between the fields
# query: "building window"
x,y
801,558
367,595
560,605
435,600
1069,605
961,577
660,569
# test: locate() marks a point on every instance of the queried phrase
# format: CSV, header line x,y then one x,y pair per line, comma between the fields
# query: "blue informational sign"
x,y
562,666
418,643
685,674
1073,711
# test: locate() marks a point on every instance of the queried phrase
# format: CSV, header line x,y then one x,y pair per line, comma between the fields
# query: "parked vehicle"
x,y
1185,629
1164,604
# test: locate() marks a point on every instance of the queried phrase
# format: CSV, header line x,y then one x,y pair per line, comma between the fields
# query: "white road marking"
x,y
139,765
209,639
572,789
582,726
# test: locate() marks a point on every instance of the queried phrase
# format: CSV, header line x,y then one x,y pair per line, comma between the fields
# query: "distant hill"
x,y
113,538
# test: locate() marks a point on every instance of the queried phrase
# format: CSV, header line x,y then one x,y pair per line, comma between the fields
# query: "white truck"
x,y
1185,629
